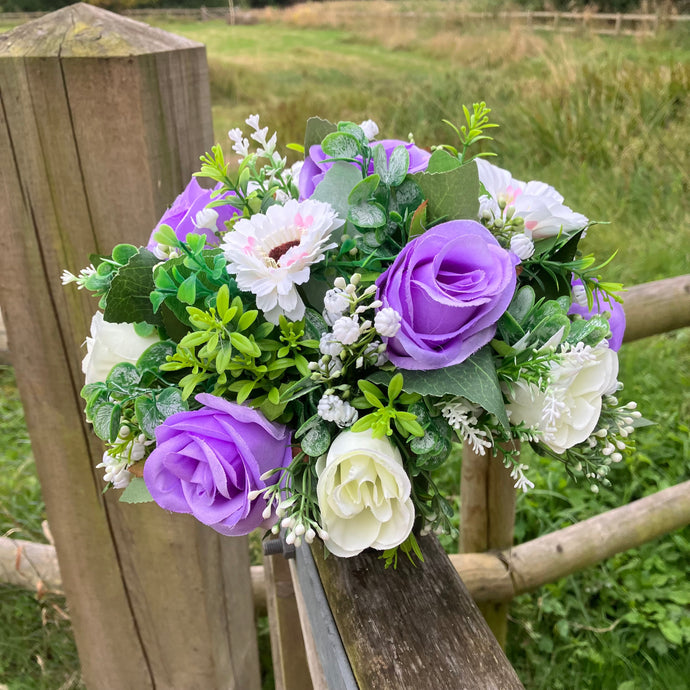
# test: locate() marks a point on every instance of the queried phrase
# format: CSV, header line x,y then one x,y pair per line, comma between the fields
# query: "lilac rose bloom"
x,y
602,303
315,167
450,286
207,461
189,214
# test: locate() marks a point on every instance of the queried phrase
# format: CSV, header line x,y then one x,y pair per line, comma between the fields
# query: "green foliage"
x,y
452,193
136,492
380,420
474,379
471,133
410,548
136,397
230,350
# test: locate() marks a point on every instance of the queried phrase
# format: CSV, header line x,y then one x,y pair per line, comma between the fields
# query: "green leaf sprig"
x,y
387,410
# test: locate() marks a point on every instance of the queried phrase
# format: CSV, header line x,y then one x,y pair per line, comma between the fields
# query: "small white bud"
x,y
275,529
300,530
340,283
594,488
356,277
124,432
370,290
253,495
309,535
290,539
285,522
522,246
297,541
616,457
387,322
323,535
266,512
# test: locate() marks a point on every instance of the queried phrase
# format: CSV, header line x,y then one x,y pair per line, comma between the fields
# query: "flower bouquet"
x,y
301,346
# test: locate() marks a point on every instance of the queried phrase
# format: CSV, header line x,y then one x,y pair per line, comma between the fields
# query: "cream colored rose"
x,y
364,494
567,412
110,344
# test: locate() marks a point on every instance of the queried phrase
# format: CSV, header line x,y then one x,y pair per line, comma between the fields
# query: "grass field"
x,y
607,122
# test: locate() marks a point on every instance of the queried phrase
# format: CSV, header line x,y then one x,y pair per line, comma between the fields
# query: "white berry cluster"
x,y
121,456
357,324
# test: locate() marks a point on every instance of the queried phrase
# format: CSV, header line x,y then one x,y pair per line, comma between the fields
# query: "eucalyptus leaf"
x,y
340,145
398,165
362,191
354,130
147,415
104,416
367,215
124,376
316,441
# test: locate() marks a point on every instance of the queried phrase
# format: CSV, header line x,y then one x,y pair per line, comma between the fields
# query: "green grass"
x,y
607,122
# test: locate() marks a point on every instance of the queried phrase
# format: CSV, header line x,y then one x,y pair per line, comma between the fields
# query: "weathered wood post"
x,y
102,120
487,519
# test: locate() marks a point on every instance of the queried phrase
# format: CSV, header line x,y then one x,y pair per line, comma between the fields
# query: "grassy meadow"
x,y
604,120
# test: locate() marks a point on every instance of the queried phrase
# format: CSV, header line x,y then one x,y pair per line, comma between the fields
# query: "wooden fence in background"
x,y
602,23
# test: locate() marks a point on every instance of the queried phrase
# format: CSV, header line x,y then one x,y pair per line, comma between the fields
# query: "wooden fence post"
x,y
102,120
487,519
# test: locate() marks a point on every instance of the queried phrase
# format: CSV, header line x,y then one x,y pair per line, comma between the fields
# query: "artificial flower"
x,y
601,304
537,203
450,287
364,494
271,254
207,461
189,215
567,411
110,344
317,163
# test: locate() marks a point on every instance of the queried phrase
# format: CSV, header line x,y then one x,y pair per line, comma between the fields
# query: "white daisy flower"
x,y
270,254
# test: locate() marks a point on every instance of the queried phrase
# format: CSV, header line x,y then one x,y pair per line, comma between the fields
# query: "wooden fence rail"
x,y
634,24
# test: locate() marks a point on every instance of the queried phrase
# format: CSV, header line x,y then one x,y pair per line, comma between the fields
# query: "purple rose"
x,y
189,214
602,303
450,285
207,461
314,168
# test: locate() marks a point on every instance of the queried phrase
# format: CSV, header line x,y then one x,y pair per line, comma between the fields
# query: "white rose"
x,y
364,494
567,412
110,344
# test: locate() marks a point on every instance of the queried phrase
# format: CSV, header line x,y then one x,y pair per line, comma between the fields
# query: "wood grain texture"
x,y
413,628
657,307
290,667
501,498
474,517
93,148
29,565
